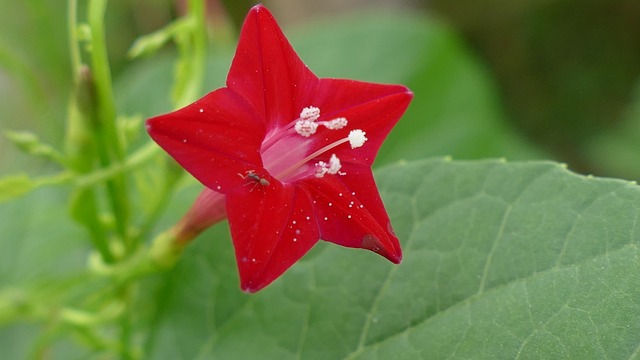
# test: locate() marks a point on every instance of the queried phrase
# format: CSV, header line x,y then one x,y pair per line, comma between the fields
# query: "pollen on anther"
x,y
335,124
357,138
311,113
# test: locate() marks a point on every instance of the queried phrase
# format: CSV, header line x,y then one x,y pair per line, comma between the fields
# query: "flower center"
x,y
285,150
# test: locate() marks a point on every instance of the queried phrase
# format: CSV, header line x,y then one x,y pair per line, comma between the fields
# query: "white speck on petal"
x,y
201,110
326,218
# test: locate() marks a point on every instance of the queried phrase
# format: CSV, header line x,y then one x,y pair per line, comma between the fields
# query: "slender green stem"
x,y
125,322
74,49
109,145
79,158
192,47
138,158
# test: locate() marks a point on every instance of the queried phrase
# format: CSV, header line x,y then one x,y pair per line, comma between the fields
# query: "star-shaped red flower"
x,y
290,154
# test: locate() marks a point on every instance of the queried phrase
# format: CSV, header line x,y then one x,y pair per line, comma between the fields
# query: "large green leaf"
x,y
502,260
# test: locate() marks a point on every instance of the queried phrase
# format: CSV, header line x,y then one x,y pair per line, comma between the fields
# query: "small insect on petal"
x,y
255,178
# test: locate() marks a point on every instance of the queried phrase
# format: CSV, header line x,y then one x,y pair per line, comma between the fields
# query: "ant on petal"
x,y
255,178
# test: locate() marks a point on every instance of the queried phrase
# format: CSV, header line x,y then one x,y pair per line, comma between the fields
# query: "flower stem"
x,y
79,148
74,49
192,48
109,145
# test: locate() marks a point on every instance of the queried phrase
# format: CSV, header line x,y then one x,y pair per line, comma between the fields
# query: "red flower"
x,y
287,152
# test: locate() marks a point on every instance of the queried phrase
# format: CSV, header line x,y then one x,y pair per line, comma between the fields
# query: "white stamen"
x,y
310,113
335,124
357,138
306,125
306,128
333,167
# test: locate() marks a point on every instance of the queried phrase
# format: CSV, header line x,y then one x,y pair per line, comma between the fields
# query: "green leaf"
x,y
14,186
501,260
151,43
29,143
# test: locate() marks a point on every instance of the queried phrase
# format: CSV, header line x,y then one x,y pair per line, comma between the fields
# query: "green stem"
x,y
74,49
109,145
78,151
192,49
138,158
125,323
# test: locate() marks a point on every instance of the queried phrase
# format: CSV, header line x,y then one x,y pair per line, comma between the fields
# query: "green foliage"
x,y
502,260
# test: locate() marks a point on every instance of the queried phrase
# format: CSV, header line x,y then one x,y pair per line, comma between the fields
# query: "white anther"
x,y
310,113
335,124
333,167
357,138
306,128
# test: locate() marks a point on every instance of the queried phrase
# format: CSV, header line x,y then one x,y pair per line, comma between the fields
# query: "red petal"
x,y
350,212
373,108
214,139
272,227
268,72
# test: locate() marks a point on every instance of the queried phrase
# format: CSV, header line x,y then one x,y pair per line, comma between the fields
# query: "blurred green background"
x,y
518,79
